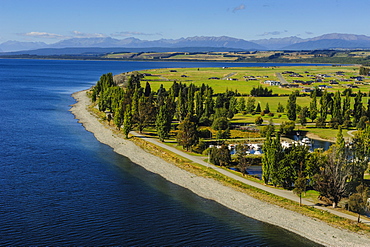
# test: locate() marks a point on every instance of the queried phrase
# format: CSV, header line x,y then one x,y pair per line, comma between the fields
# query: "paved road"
x,y
281,78
282,193
228,76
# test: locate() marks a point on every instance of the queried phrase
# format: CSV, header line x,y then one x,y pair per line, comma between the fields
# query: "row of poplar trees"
x,y
136,107
336,105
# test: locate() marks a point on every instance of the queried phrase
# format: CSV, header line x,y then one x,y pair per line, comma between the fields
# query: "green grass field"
x,y
198,76
242,85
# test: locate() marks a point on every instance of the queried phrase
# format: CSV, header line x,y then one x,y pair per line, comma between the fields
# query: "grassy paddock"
x,y
198,76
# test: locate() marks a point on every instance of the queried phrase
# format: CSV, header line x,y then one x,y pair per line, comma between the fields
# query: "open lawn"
x,y
244,79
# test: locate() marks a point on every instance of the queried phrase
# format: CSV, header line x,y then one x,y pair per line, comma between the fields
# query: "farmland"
x,y
335,78
241,80
315,56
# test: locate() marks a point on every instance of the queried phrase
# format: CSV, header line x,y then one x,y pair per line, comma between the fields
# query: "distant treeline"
x,y
316,56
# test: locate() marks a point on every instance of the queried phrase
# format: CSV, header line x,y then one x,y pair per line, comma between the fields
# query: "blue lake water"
x,y
60,186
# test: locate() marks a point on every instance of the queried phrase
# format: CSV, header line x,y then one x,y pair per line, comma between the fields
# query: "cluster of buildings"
x,y
319,78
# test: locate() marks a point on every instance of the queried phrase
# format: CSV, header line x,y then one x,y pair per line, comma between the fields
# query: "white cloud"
x,y
273,33
130,34
74,34
43,35
78,34
238,8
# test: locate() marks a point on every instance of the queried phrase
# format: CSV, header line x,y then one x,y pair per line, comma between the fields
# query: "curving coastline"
x,y
312,229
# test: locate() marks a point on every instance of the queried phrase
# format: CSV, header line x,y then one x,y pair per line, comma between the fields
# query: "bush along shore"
x,y
211,185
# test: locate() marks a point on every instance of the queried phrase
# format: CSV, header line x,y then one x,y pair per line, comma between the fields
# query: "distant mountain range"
x,y
327,41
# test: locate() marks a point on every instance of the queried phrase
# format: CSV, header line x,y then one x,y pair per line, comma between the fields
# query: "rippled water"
x,y
59,186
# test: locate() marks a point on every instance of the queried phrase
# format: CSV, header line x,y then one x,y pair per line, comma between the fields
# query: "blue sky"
x,y
53,20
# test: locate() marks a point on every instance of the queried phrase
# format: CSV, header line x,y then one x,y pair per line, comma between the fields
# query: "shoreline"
x,y
309,228
316,137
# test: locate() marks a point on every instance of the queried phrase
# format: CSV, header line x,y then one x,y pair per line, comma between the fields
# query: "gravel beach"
x,y
312,229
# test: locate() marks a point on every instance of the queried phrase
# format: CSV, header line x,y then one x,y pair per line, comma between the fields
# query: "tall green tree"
x,y
267,109
162,123
290,165
127,122
325,102
199,109
241,154
135,101
187,135
145,113
105,82
171,106
291,107
134,81
337,108
272,155
346,102
258,108
190,99
119,116
313,108
161,95
303,113
357,107
341,145
251,101
360,153
232,107
280,108
148,89
241,104
208,103
181,109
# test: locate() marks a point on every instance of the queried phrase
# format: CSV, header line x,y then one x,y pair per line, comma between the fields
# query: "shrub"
x,y
223,134
287,127
320,122
200,147
258,120
204,133
220,123
205,121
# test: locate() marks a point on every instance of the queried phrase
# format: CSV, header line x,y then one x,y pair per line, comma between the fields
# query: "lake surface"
x,y
60,186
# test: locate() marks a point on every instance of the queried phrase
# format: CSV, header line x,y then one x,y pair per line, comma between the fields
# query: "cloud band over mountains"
x,y
78,34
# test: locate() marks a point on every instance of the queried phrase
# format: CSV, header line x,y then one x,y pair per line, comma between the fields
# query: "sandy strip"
x,y
207,188
316,137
